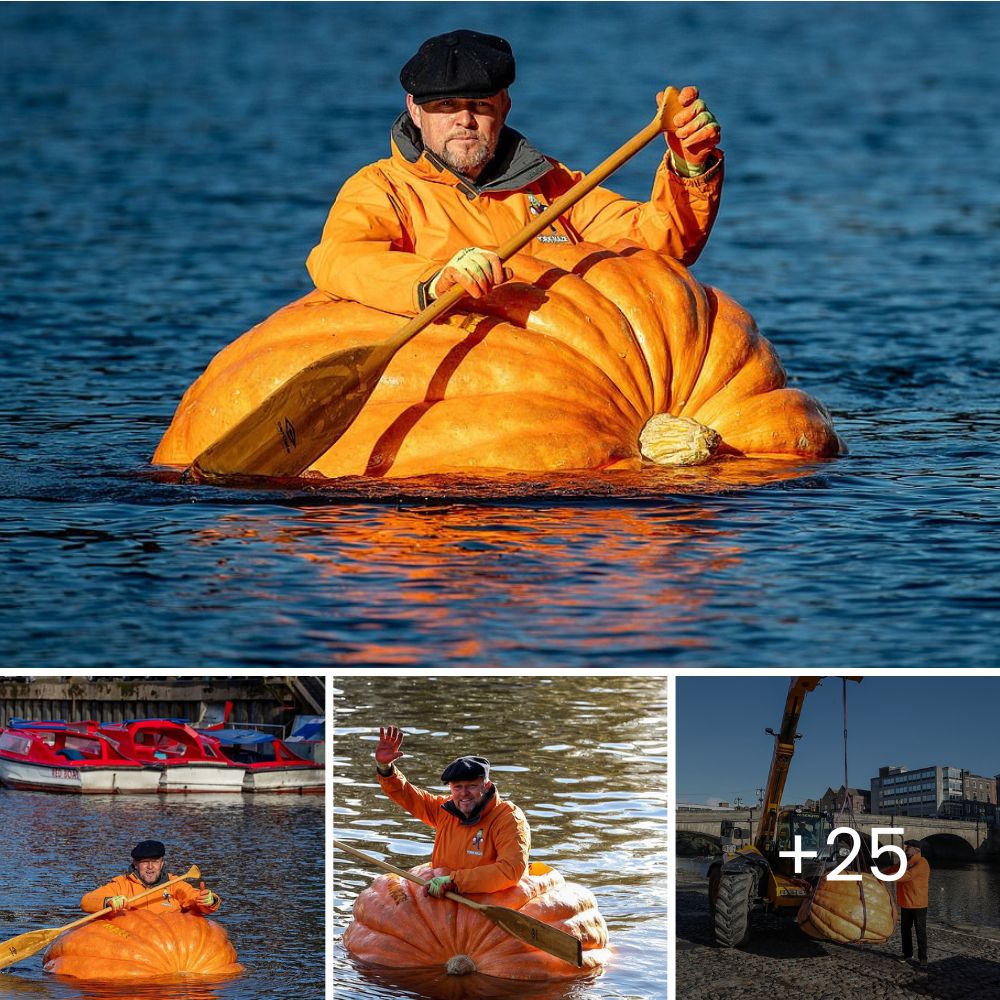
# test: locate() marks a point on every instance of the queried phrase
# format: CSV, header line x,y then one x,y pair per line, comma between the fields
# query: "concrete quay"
x,y
781,961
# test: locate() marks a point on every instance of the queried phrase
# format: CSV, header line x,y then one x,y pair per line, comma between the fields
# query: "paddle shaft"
x,y
405,874
306,415
532,931
25,945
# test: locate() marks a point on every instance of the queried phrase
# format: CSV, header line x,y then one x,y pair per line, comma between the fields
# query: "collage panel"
x,y
541,798
837,836
162,837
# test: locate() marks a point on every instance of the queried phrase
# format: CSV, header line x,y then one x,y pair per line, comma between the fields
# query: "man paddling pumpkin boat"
x,y
459,183
481,840
146,872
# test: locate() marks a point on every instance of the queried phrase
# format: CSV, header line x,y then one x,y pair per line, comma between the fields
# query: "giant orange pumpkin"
x,y
563,368
850,912
143,944
397,925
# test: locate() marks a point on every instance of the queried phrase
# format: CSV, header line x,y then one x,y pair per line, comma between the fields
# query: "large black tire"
x,y
731,910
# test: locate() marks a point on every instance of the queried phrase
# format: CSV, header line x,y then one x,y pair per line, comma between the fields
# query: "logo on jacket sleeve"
x,y
476,847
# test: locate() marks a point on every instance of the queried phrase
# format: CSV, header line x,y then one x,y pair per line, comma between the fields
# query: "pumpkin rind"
x,y
559,369
850,912
397,925
142,944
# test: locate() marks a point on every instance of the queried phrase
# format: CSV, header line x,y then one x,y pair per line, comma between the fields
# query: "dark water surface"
x,y
264,857
166,169
586,761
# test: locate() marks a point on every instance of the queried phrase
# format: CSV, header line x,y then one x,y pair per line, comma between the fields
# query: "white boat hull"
x,y
292,779
80,780
202,778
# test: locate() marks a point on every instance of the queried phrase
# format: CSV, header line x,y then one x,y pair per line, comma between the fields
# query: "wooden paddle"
x,y
26,945
520,925
306,415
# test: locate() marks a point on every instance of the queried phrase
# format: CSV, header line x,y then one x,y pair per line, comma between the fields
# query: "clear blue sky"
x,y
723,751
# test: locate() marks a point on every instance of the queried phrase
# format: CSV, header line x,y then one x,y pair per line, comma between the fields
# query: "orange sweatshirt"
x,y
911,889
487,855
179,896
397,221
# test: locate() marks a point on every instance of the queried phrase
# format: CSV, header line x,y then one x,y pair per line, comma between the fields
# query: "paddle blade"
x,y
300,420
25,945
541,936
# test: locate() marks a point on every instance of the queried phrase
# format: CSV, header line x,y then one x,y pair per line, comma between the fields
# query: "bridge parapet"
x,y
978,835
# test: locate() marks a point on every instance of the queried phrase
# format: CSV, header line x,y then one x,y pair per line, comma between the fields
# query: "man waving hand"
x,y
480,840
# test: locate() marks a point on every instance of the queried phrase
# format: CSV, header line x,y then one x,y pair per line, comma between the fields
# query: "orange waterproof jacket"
x,y
485,855
397,221
179,896
911,889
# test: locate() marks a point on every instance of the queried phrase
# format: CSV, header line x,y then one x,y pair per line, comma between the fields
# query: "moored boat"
x,y
61,757
191,762
271,765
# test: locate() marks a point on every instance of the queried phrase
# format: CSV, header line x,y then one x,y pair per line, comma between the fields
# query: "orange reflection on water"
x,y
476,572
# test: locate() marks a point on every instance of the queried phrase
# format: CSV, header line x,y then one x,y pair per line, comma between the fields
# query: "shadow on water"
x,y
73,989
434,984
650,483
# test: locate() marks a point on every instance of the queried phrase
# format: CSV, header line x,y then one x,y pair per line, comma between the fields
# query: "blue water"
x,y
261,854
167,167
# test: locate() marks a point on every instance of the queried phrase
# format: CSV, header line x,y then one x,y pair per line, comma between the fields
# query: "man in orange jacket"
x,y
459,183
146,872
481,840
911,894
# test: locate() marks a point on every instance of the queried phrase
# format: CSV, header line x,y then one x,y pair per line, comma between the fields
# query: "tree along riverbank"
x,y
963,961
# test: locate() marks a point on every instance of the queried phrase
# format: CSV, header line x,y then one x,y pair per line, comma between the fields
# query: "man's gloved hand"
x,y
693,136
206,898
475,269
390,741
117,903
439,885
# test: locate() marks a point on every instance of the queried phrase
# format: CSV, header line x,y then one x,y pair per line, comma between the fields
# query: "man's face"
x,y
910,852
149,869
468,794
464,133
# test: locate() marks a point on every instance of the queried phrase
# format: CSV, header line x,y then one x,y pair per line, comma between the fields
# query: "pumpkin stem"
x,y
669,440
460,965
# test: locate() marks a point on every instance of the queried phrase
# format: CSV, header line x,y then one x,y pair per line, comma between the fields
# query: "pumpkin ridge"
x,y
681,316
568,316
493,951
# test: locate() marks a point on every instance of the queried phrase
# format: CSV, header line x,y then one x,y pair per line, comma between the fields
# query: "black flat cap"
x,y
459,64
148,849
913,843
466,769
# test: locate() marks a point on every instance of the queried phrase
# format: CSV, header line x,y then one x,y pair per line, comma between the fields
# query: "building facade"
x,y
931,791
921,792
857,799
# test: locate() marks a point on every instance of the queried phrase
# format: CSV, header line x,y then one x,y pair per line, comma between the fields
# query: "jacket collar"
x,y
489,800
515,165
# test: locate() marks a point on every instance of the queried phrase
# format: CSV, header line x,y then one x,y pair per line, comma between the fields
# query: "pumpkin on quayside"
x,y
397,925
142,944
588,359
850,912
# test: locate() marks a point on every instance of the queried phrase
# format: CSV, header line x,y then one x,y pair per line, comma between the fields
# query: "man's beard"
x,y
468,162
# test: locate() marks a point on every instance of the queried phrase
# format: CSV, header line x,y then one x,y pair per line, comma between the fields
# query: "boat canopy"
x,y
308,727
232,737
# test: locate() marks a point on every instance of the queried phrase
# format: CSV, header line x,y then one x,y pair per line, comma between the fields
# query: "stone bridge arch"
x,y
939,848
